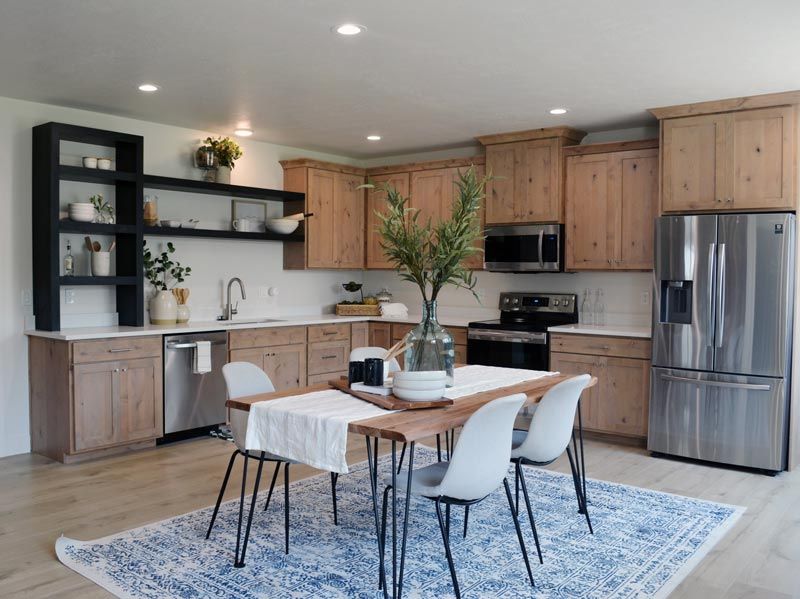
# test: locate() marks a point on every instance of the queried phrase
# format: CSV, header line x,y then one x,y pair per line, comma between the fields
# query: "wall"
x,y
167,152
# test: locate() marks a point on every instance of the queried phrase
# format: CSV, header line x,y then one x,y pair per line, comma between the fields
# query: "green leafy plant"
x,y
225,149
104,210
161,271
432,255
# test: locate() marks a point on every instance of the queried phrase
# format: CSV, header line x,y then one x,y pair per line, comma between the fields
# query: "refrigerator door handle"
x,y
712,254
746,386
720,294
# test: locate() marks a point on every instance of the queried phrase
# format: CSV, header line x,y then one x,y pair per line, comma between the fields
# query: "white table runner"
x,y
312,428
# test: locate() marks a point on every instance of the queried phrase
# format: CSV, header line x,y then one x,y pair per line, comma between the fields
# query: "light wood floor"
x,y
41,499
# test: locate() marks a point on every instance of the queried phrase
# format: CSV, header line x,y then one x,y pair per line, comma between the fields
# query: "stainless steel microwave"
x,y
524,248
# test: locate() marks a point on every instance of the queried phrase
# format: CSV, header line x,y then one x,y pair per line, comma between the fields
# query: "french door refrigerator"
x,y
722,335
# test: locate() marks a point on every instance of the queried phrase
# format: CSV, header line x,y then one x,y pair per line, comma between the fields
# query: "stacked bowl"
x,y
423,385
81,211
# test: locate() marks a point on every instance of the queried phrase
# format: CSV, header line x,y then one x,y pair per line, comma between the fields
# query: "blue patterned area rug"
x,y
645,543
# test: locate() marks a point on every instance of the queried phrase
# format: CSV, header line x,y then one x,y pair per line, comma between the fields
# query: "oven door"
x,y
511,349
524,248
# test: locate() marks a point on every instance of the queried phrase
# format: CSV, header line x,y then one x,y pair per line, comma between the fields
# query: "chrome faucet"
x,y
229,310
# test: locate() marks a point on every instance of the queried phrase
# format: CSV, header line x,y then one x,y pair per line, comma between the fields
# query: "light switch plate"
x,y
645,298
27,297
69,296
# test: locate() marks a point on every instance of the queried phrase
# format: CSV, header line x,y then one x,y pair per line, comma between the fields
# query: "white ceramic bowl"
x,y
417,395
104,164
413,385
282,225
420,375
171,223
89,162
189,224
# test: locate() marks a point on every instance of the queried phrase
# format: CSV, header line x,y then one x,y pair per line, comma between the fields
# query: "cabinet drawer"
x,y
460,354
399,331
325,377
329,356
116,349
459,335
625,347
329,332
266,337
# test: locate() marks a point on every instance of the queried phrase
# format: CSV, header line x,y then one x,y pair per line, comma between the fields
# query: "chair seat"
x,y
424,481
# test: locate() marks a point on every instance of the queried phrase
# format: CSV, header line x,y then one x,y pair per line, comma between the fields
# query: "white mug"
x,y
101,264
244,225
104,164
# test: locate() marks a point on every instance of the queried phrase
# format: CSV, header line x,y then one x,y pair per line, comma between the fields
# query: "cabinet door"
x,y
94,393
359,334
376,202
286,366
379,335
460,354
695,162
590,213
591,400
347,224
500,191
139,402
432,194
475,261
634,187
763,159
320,228
538,191
624,391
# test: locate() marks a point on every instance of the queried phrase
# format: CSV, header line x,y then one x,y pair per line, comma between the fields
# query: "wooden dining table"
x,y
409,427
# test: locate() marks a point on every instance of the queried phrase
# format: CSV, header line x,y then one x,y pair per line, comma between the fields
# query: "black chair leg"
x,y
286,504
516,489
222,491
583,507
446,540
519,531
241,509
272,484
466,520
438,447
447,519
252,509
521,476
334,479
402,455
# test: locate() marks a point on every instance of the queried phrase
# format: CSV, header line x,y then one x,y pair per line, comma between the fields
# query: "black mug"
x,y
355,372
373,372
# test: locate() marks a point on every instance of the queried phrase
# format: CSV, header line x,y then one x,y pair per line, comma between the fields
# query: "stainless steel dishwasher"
x,y
193,400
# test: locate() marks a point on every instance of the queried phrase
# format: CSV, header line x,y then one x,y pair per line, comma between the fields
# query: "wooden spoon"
x,y
89,245
112,246
96,246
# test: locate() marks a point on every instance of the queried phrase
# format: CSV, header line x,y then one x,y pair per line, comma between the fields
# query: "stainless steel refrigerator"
x,y
722,335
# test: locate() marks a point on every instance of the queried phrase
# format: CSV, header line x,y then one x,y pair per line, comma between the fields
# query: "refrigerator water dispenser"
x,y
676,302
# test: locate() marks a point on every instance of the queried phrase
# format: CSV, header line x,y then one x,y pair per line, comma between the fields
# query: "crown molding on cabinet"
x,y
425,166
568,133
321,164
728,105
614,146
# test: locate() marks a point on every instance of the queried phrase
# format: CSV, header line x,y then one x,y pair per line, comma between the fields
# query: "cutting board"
x,y
389,402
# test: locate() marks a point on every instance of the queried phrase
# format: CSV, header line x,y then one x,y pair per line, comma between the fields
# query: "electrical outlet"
x,y
263,291
69,296
645,298
27,297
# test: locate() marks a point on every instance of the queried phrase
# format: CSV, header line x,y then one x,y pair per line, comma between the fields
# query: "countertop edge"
x,y
641,332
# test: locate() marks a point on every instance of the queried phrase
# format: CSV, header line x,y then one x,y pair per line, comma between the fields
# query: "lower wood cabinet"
x,y
328,352
284,364
380,334
359,334
618,404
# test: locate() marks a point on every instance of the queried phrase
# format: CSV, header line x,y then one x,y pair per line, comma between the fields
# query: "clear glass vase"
x,y
431,346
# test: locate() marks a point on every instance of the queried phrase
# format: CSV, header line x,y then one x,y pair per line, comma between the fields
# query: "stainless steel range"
x,y
519,338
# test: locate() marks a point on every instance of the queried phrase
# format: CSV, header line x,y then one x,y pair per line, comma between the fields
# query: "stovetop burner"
x,y
532,312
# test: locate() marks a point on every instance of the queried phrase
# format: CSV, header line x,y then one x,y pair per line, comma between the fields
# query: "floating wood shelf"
x,y
220,189
218,234
67,281
71,226
93,175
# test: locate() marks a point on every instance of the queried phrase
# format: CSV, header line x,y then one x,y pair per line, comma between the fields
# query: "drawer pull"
x,y
329,332
328,357
119,350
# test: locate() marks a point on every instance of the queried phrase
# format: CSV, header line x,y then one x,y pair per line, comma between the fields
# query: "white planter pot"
x,y
163,308
224,174
101,264
183,313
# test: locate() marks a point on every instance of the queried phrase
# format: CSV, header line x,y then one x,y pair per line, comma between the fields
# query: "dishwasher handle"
x,y
189,344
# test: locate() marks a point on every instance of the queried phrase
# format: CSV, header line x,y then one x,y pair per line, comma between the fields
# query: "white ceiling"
x,y
427,74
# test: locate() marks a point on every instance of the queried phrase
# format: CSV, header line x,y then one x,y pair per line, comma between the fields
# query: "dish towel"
x,y
396,310
201,358
476,379
309,428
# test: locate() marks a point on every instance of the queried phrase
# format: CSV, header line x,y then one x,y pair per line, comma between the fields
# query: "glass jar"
x,y
431,346
151,210
384,296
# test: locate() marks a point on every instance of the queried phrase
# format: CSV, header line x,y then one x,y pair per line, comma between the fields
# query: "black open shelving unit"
x,y
129,181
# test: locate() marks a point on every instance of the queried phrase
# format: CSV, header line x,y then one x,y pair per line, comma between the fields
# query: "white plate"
x,y
420,375
413,385
416,395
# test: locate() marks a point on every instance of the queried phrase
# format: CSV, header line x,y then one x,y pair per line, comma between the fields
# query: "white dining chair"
x,y
243,379
548,436
477,468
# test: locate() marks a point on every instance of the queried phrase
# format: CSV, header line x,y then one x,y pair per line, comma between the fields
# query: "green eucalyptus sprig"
x,y
432,255
101,205
161,271
225,149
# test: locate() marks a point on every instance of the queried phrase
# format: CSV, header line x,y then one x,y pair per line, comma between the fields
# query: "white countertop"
x,y
609,330
78,334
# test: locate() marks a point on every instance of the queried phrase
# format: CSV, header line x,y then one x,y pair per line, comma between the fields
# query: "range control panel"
x,y
564,303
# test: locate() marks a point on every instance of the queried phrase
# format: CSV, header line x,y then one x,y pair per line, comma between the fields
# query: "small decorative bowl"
x,y
284,226
173,224
89,162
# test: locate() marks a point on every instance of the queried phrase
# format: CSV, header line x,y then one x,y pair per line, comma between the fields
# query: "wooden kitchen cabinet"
x,y
610,199
526,170
729,155
334,236
328,351
380,335
359,334
284,364
618,404
376,202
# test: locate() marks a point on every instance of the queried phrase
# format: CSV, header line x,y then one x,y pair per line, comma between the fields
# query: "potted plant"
x,y
162,272
227,152
105,211
432,257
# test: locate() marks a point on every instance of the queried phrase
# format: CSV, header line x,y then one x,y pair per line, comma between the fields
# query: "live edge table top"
x,y
413,425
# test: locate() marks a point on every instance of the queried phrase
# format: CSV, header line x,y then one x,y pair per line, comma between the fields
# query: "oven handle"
x,y
541,244
507,336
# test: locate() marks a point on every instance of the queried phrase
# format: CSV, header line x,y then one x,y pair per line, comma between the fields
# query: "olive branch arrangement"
x,y
158,268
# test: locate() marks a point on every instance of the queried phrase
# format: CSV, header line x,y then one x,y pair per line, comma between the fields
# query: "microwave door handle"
x,y
712,251
541,245
720,294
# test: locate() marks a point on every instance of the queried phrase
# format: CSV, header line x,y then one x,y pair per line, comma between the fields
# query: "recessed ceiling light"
x,y
558,111
374,137
349,29
243,132
148,87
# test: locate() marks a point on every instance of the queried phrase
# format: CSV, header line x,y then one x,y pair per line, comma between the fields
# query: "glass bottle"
x,y
599,308
430,345
69,261
586,308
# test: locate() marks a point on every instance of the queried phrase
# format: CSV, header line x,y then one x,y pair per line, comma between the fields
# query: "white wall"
x,y
167,152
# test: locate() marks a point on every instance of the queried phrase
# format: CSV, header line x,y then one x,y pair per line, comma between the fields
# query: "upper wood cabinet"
x,y
376,202
730,155
610,198
526,171
334,236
